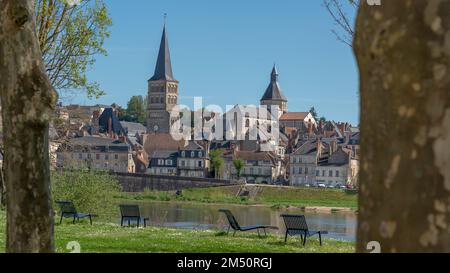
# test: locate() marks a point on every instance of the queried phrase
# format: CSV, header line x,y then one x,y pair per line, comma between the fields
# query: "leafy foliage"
x,y
217,161
90,191
239,166
135,111
70,36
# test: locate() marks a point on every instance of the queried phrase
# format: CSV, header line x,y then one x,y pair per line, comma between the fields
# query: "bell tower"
x,y
162,91
273,95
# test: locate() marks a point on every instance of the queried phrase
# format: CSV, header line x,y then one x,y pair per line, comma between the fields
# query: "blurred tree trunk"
x,y
28,102
403,51
2,185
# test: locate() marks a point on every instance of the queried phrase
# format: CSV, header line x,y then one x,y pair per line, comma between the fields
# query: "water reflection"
x,y
206,216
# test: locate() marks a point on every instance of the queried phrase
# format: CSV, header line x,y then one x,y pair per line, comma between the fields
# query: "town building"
x,y
303,162
339,170
193,161
134,132
163,163
96,153
323,161
260,167
298,120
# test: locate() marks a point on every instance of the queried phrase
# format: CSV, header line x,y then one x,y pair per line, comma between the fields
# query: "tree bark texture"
x,y
403,53
28,101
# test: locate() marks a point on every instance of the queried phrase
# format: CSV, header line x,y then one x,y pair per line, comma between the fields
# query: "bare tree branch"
x,y
342,12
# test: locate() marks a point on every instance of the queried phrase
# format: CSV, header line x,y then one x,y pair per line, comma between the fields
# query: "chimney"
x,y
321,126
95,122
333,147
110,127
310,128
319,148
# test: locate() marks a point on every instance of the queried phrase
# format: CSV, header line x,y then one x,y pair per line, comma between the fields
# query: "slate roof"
x,y
164,154
94,140
133,127
103,121
163,69
192,146
255,156
273,91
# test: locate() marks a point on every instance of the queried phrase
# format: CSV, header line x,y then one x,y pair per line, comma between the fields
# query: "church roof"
x,y
163,69
273,91
294,116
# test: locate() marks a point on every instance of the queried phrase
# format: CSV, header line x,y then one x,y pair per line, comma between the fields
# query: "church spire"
x,y
163,69
273,92
274,75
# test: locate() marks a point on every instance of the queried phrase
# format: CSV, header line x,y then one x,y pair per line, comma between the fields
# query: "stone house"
x,y
303,162
193,160
339,169
163,163
297,120
96,152
260,167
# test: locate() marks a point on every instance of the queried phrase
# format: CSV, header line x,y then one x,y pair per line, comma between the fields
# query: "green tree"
x,y
70,36
217,161
314,113
239,166
135,111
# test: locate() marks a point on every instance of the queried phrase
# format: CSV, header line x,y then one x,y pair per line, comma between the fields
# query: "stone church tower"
x,y
274,95
162,91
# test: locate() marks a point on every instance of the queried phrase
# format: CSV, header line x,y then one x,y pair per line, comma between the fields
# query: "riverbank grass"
x,y
259,195
111,238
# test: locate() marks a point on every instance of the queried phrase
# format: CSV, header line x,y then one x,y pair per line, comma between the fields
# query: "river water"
x,y
340,225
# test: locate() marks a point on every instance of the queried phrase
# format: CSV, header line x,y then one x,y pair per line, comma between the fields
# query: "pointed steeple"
x,y
274,75
163,69
273,91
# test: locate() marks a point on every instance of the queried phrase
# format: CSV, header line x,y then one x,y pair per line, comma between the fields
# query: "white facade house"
x,y
303,163
317,162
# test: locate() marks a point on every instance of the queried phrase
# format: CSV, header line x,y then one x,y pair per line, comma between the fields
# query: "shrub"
x,y
91,191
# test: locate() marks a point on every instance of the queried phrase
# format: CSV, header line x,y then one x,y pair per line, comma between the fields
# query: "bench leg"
x,y
90,219
138,221
265,233
121,222
60,221
228,230
259,235
234,233
285,237
320,238
304,240
129,222
74,219
145,222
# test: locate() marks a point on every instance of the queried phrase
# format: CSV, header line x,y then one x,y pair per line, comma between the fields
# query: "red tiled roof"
x,y
294,116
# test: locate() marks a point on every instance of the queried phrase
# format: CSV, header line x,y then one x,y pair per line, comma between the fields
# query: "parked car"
x,y
307,185
321,186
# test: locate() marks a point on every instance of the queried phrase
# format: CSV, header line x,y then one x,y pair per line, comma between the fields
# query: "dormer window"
x,y
192,154
183,154
200,154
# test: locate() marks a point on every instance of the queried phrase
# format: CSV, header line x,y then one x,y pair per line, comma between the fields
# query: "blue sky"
x,y
224,51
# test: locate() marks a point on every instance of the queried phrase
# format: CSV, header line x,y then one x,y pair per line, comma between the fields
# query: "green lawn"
x,y
266,195
111,238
